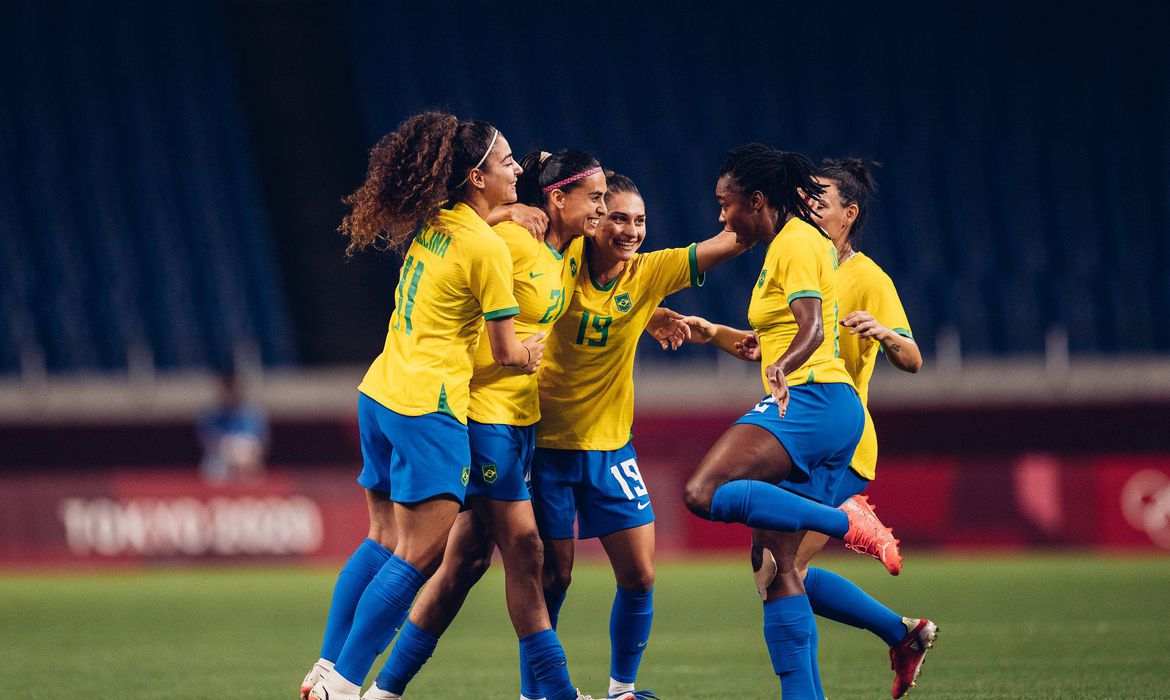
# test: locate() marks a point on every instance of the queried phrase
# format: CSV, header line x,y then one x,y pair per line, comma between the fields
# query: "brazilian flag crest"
x,y
573,266
466,475
623,302
489,473
763,276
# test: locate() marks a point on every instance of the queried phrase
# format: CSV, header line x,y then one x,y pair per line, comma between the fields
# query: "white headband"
x,y
491,144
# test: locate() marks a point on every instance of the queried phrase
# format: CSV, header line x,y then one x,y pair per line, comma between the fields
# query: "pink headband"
x,y
578,176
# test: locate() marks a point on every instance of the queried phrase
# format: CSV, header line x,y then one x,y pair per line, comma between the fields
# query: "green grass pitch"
x,y
1019,627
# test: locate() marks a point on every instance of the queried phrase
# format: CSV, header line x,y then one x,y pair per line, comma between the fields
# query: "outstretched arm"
x,y
716,249
743,344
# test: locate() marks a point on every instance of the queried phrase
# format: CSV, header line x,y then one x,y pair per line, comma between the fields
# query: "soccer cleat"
x,y
322,691
908,655
376,693
867,535
634,695
315,674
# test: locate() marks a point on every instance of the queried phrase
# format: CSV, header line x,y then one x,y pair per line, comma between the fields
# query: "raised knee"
x,y
697,497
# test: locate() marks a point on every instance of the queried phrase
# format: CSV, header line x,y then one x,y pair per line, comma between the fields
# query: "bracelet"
x,y
529,356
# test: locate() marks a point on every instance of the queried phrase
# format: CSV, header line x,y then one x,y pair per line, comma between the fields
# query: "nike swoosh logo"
x,y
534,275
642,505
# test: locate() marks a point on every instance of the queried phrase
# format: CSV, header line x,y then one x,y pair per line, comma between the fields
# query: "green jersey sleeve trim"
x,y
805,294
502,313
697,278
904,332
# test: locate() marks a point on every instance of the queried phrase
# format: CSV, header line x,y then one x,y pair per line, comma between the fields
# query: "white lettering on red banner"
x,y
243,526
1145,501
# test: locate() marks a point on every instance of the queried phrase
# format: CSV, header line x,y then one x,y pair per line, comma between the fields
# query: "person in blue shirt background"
x,y
233,434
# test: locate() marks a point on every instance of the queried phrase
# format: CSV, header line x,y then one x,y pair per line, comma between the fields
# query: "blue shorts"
x,y
819,431
412,458
501,459
602,491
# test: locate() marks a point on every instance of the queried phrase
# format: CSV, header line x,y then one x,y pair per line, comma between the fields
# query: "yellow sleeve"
x,y
887,307
489,275
798,269
672,269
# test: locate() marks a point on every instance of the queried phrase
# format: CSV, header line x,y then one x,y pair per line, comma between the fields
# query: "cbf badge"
x,y
763,276
573,266
623,302
489,473
466,475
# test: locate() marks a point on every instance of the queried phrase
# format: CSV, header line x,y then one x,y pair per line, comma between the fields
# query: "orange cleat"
x,y
867,535
908,655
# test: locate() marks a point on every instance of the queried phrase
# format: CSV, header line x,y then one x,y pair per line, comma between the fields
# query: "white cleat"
x,y
334,687
315,674
376,693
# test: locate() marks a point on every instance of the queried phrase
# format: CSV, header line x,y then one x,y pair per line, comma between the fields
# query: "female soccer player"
x,y
779,465
429,185
569,187
877,323
585,468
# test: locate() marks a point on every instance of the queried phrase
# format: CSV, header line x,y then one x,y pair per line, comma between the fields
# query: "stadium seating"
x,y
133,229
1022,192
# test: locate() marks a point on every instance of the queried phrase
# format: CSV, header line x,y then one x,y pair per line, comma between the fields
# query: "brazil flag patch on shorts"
x,y
489,473
466,475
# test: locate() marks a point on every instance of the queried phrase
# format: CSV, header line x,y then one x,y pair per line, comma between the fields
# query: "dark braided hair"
x,y
540,173
783,177
414,169
854,183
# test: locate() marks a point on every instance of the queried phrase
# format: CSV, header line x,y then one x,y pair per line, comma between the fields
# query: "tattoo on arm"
x,y
896,347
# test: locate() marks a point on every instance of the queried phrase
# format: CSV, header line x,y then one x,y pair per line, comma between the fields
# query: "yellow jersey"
x,y
866,287
587,379
800,263
457,272
543,280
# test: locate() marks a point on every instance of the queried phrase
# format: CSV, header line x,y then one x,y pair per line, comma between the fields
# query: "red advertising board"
x,y
121,517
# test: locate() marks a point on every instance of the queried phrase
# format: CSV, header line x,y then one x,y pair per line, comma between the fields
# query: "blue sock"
x,y
839,599
813,642
529,686
788,626
763,505
546,657
554,600
362,567
414,646
380,613
629,631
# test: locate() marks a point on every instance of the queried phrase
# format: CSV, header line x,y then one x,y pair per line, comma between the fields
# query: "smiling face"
x,y
740,211
497,176
624,227
581,208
